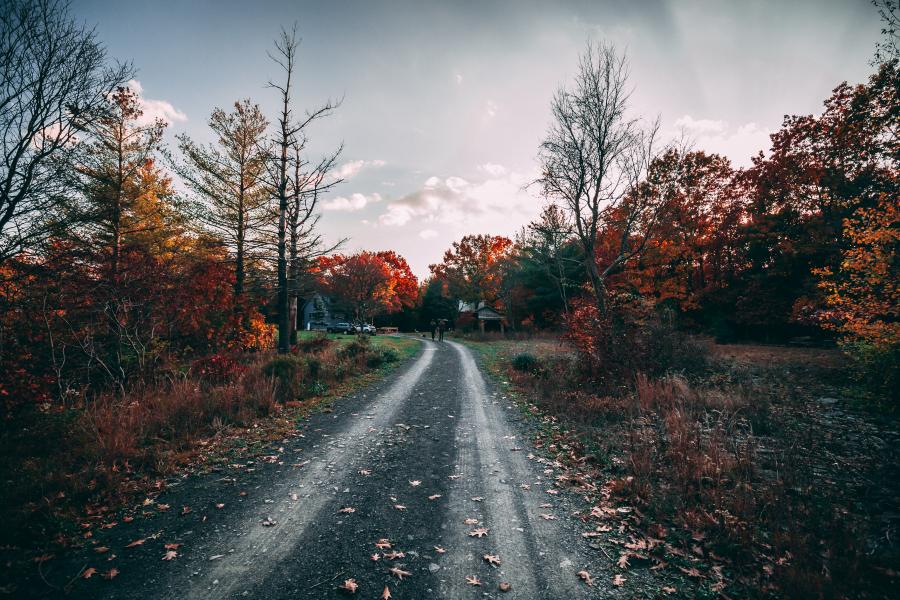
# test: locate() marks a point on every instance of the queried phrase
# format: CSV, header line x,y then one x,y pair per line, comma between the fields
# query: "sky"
x,y
445,104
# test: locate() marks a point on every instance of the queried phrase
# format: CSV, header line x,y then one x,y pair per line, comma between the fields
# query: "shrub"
x,y
313,345
288,374
355,348
217,368
317,388
526,363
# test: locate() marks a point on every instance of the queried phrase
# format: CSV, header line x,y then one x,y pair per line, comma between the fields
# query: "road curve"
x,y
421,460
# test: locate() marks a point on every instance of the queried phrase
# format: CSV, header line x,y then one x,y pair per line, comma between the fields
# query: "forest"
x,y
150,293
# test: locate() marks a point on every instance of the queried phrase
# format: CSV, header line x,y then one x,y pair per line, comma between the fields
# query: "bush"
x,y
355,348
382,357
217,368
313,345
317,388
288,374
526,363
877,367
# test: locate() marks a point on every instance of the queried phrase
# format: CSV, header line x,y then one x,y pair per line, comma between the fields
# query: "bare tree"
x,y
593,159
54,81
288,131
305,243
888,48
229,177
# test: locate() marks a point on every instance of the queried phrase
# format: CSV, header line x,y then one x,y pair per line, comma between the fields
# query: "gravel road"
x,y
432,461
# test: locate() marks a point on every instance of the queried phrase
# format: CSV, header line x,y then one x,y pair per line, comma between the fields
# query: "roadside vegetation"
x,y
738,470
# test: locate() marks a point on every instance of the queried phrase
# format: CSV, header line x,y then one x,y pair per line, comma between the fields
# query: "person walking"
x,y
441,325
433,329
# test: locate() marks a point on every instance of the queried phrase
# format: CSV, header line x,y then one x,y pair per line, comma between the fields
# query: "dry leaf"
x,y
399,573
170,555
478,499
439,550
162,507
399,507
220,505
139,542
669,590
434,497
101,549
479,532
504,586
173,546
365,473
623,561
586,577
382,544
269,522
471,521
548,517
472,580
394,555
386,594
618,580
350,585
492,559
88,573
375,556
347,510
111,573
415,483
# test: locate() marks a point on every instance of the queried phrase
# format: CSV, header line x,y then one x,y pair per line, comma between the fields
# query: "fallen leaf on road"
x,y
163,507
472,580
216,556
623,561
88,573
136,543
415,483
478,499
434,497
586,577
553,492
669,590
110,574
382,544
350,586
547,517
101,549
471,521
492,559
173,546
147,501
618,580
128,519
439,550
347,509
220,505
185,510
269,522
365,473
454,476
295,497
170,555
394,555
504,586
399,573
375,556
386,594
479,532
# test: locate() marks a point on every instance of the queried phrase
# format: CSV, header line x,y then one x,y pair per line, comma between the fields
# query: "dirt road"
x,y
432,461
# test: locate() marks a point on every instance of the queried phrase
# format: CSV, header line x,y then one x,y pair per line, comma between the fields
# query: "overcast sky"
x,y
446,103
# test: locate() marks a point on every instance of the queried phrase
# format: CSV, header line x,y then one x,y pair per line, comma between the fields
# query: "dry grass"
x,y
733,468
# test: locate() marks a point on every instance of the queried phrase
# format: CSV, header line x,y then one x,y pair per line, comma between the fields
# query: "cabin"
x,y
485,317
320,312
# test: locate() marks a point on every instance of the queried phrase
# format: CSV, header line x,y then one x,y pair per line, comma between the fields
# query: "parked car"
x,y
318,326
341,328
368,328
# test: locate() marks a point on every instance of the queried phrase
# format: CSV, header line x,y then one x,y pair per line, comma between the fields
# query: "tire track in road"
x,y
252,554
536,557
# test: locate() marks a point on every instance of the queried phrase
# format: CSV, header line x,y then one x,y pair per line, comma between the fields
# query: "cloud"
x,y
427,234
492,169
453,200
354,203
490,109
459,78
738,143
155,109
352,168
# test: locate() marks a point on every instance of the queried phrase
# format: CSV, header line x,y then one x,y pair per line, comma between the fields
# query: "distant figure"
x,y
433,329
441,325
